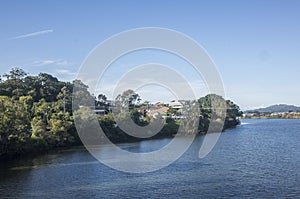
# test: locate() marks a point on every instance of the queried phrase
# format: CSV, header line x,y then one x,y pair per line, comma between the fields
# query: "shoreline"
x,y
268,118
57,150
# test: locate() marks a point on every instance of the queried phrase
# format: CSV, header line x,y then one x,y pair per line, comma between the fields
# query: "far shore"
x,y
269,117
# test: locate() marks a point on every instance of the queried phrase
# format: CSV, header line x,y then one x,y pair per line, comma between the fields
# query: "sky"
x,y
254,44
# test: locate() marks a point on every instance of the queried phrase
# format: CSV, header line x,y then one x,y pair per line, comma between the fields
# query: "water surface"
x,y
258,159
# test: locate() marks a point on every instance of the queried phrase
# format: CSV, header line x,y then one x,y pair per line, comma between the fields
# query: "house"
x,y
159,104
98,110
176,105
156,111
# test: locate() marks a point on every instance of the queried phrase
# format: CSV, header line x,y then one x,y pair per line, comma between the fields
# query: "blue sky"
x,y
255,44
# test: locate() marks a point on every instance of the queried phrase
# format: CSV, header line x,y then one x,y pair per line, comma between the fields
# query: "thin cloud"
x,y
43,32
58,62
43,63
65,72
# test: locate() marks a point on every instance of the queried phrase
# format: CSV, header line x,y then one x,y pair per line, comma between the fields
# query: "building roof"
x,y
175,104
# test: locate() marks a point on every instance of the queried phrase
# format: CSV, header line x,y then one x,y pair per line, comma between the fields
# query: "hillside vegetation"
x,y
36,114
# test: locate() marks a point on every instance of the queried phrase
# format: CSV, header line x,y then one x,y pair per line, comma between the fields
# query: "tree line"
x,y
36,114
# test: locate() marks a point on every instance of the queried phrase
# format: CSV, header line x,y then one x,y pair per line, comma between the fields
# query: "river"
x,y
258,159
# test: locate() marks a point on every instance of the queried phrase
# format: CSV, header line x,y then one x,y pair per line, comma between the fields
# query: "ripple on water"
x,y
260,160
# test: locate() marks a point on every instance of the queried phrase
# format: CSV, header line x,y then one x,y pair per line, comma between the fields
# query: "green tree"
x,y
101,100
61,125
38,128
81,96
220,106
14,85
15,74
50,87
33,87
14,126
65,98
27,102
128,99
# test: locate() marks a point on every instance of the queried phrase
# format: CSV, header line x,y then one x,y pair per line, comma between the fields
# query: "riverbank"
x,y
116,136
266,117
41,116
272,115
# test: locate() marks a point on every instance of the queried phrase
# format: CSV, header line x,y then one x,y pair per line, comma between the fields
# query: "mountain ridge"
x,y
276,108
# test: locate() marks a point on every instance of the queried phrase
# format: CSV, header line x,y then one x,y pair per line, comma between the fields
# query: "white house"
x,y
176,105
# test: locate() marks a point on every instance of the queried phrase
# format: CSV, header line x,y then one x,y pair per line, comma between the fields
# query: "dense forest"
x,y
36,114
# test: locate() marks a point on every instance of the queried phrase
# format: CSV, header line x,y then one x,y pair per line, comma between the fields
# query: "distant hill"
x,y
277,108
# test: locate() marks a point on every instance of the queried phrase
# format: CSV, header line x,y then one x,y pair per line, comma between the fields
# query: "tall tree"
x,y
50,87
64,98
101,100
128,99
14,86
14,126
81,96
15,74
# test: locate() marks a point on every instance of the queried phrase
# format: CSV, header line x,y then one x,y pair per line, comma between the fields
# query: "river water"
x,y
258,159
